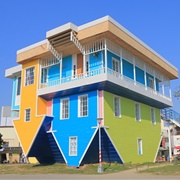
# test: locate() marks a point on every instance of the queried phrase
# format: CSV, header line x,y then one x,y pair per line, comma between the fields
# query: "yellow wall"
x,y
28,130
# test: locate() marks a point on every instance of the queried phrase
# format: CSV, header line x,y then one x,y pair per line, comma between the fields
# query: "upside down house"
x,y
79,74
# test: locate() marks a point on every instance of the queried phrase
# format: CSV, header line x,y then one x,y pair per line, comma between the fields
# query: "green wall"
x,y
125,130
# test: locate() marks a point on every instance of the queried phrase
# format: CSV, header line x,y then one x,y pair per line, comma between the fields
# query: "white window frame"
x,y
18,86
139,146
151,82
81,106
74,66
137,112
64,111
29,76
73,146
115,62
117,106
27,115
153,116
44,77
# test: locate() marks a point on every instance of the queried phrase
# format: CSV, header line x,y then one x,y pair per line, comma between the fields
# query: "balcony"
x,y
108,80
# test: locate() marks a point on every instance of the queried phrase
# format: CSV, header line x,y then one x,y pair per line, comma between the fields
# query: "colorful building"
x,y
79,74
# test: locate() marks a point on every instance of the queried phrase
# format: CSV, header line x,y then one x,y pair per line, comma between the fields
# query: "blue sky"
x,y
25,22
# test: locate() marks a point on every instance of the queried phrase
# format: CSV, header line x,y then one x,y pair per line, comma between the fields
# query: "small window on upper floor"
x,y
83,106
74,71
117,107
27,115
64,108
29,76
151,82
44,75
115,65
138,112
153,116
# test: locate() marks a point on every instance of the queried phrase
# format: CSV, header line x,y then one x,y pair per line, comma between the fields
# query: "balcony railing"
x,y
170,115
97,72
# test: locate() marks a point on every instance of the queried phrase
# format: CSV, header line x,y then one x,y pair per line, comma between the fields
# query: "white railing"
x,y
54,52
94,46
76,42
49,61
97,72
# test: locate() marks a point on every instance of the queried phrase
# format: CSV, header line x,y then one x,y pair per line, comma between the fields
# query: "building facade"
x,y
79,74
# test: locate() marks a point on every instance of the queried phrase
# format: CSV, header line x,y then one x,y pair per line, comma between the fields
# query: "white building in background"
x,y
11,147
6,116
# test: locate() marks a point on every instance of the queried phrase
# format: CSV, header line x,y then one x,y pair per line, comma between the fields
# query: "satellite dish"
x,y
177,92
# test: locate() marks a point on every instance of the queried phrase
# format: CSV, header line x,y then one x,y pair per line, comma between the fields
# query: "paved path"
x,y
128,174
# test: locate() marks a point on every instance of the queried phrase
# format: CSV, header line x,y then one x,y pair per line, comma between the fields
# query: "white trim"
x,y
32,46
59,146
14,71
25,113
35,135
139,111
153,115
60,29
119,106
88,145
158,149
61,108
18,135
79,114
118,65
98,107
74,63
34,69
139,139
76,151
113,145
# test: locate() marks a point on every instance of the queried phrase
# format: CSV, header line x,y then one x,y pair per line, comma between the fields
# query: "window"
x,y
83,106
74,71
29,79
139,146
153,117
87,67
44,73
73,146
151,82
115,65
18,86
27,114
117,108
138,112
64,108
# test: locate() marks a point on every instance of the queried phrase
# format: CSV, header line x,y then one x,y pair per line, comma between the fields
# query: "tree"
x,y
1,140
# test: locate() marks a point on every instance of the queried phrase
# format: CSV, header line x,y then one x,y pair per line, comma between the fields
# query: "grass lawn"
x,y
59,169
173,169
156,169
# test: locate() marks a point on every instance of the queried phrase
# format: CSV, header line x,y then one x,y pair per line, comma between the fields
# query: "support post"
x,y
100,169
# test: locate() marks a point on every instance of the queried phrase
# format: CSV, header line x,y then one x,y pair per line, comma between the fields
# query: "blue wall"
x,y
95,62
13,106
54,72
128,69
80,127
67,66
140,75
110,55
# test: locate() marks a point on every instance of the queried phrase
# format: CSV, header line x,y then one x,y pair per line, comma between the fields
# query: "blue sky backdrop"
x,y
25,22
